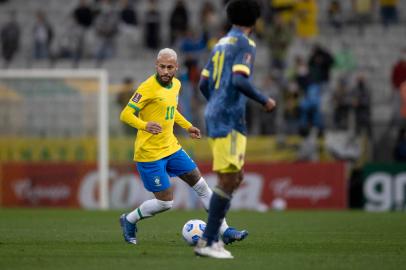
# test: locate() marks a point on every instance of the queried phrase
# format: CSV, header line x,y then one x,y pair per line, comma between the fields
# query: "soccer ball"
x,y
193,230
279,204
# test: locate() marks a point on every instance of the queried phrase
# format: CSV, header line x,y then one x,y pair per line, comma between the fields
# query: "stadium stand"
x,y
375,51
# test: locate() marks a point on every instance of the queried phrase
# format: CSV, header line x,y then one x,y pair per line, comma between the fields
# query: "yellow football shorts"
x,y
228,152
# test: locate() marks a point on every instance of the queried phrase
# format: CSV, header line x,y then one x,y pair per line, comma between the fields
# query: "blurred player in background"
x,y
226,84
152,110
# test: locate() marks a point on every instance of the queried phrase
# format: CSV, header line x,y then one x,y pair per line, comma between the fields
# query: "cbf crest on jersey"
x,y
157,181
136,98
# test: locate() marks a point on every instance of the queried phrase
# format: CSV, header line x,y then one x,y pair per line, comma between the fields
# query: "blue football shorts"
x,y
155,174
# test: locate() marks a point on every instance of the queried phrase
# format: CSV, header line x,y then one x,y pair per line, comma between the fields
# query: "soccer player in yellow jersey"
x,y
153,111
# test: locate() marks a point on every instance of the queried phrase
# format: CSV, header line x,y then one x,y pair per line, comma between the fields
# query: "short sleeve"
x,y
140,98
244,59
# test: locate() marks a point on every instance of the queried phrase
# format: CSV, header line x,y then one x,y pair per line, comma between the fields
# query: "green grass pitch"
x,y
75,239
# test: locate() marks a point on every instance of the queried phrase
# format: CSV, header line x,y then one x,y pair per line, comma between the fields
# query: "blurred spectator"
x,y
403,103
152,26
106,28
291,110
335,15
398,77
279,38
210,22
310,111
123,97
185,96
342,103
389,12
126,91
67,42
128,14
344,61
362,10
189,102
320,64
259,29
10,39
130,29
83,14
399,71
42,36
362,105
192,45
283,8
179,20
306,13
300,73
399,153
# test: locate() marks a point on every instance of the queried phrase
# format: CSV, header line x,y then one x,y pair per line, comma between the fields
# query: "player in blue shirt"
x,y
226,82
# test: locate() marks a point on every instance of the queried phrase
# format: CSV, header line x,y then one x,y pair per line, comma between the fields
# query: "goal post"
x,y
10,78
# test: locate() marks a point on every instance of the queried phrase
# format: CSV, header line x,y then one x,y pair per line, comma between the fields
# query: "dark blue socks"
x,y
219,205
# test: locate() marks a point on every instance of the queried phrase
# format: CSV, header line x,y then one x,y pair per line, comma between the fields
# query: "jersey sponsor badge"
x,y
247,59
136,98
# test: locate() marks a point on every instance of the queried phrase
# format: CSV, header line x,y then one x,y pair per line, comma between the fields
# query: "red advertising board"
x,y
299,185
42,184
305,185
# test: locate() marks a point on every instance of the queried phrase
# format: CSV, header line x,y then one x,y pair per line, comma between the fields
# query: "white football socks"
x,y
151,207
205,193
148,209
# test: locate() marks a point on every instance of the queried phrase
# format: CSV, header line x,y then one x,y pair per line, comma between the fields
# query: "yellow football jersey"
x,y
156,103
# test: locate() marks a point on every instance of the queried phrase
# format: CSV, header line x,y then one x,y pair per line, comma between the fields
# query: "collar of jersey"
x,y
169,86
237,30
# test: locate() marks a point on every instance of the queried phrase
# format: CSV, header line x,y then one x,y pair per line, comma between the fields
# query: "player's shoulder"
x,y
247,42
146,85
176,83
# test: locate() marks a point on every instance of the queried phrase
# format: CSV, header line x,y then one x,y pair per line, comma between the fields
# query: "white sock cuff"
x,y
148,209
201,187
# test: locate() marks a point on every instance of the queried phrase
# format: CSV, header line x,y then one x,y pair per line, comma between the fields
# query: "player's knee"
x,y
165,205
230,185
227,187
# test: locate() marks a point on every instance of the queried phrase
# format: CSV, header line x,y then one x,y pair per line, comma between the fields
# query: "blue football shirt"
x,y
225,111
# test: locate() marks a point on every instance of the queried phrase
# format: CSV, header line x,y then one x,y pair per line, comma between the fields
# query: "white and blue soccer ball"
x,y
193,230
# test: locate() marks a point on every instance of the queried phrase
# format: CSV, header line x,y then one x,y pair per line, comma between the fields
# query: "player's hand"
x,y
154,128
270,105
194,133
